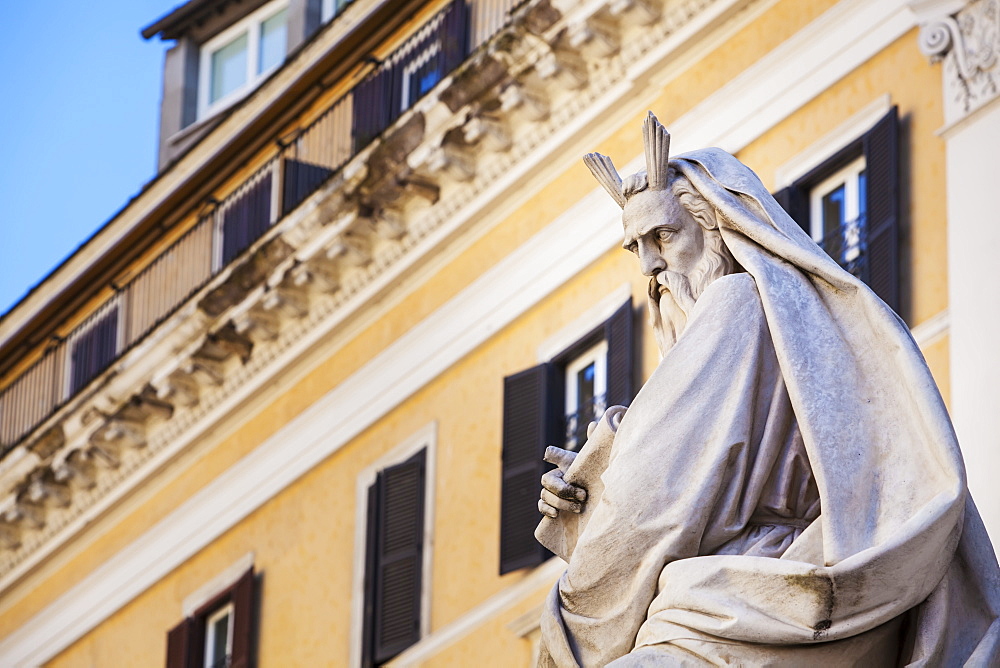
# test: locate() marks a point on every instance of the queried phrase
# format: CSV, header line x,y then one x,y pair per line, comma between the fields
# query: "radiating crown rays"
x,y
604,171
656,141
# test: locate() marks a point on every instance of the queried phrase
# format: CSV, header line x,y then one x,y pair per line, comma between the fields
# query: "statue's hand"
x,y
557,494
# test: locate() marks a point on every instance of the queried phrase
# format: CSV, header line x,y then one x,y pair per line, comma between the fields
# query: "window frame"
x,y
229,610
236,589
251,26
410,71
849,176
330,9
598,355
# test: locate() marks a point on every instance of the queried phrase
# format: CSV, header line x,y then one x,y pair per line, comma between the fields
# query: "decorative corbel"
x,y
569,71
178,388
517,99
634,12
76,469
290,302
594,37
489,130
390,224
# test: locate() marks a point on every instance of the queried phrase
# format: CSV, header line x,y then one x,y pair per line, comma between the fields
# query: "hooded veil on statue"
x,y
794,355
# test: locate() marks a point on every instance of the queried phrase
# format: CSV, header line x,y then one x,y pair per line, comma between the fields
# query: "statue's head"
x,y
670,227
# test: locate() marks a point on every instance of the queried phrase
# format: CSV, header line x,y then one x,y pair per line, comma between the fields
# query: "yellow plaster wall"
x,y
303,538
915,88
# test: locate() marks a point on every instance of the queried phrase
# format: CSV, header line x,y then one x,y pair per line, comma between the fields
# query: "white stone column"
x,y
965,38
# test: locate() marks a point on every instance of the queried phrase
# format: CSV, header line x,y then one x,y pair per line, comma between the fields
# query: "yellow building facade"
x,y
268,410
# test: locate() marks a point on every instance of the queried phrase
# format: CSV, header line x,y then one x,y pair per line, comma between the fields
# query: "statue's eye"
x,y
632,247
664,233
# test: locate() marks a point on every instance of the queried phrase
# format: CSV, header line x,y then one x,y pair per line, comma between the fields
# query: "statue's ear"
x,y
604,171
656,141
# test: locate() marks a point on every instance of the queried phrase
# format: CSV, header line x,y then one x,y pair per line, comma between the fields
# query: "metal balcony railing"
x,y
576,423
244,215
848,245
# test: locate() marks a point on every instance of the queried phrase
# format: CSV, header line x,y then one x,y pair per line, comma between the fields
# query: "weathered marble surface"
x,y
786,489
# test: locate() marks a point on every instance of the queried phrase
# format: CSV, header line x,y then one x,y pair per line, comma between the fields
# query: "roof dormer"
x,y
224,49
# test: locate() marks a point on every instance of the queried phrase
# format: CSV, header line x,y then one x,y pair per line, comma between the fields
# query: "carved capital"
x,y
938,37
965,37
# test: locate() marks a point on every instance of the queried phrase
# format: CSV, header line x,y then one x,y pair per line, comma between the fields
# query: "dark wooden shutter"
x,y
246,218
180,645
795,201
243,615
186,641
528,423
454,36
618,333
372,107
94,350
881,146
300,180
371,570
400,522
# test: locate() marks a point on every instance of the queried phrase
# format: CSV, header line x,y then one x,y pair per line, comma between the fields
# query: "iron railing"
x,y
576,423
848,245
302,166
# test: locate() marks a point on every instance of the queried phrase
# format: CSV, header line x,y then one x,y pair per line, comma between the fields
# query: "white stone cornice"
x,y
925,11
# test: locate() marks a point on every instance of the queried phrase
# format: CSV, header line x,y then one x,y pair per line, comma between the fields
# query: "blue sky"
x,y
78,126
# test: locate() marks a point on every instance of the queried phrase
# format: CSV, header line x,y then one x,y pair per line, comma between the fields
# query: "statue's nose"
x,y
650,262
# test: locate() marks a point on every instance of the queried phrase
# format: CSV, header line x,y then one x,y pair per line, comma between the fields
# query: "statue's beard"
x,y
672,295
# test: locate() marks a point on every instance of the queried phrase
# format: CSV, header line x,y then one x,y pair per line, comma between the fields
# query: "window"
x,y
420,75
585,380
394,560
235,61
332,8
412,70
219,632
93,348
553,404
837,214
849,205
219,637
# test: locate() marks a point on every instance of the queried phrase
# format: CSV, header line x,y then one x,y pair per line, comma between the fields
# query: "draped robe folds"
x,y
786,489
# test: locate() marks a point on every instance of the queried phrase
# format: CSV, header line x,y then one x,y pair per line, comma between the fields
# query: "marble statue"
x,y
786,488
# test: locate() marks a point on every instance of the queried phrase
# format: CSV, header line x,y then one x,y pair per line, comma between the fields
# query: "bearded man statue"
x,y
786,488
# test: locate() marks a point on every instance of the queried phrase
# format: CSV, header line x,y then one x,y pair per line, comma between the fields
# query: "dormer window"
x,y
236,60
331,8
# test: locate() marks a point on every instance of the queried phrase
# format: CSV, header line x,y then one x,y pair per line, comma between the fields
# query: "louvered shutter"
x,y
243,615
94,350
246,218
528,423
180,645
372,107
881,146
794,201
454,35
400,558
618,333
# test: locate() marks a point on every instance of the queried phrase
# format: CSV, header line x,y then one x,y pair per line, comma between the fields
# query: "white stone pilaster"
x,y
965,38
